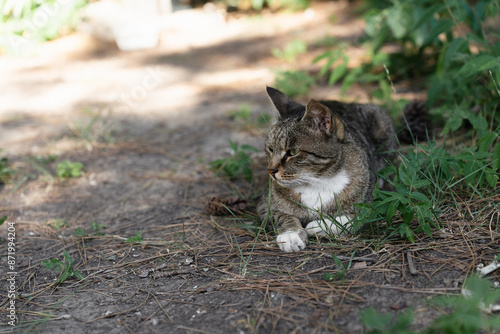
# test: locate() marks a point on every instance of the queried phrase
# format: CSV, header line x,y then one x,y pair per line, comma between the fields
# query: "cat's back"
x,y
371,127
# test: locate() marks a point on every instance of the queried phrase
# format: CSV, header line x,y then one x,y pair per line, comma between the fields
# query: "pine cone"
x,y
417,123
218,206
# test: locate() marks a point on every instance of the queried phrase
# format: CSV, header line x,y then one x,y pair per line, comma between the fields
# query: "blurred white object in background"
x,y
133,24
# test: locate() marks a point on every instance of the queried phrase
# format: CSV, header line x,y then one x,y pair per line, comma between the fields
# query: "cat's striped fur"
x,y
322,158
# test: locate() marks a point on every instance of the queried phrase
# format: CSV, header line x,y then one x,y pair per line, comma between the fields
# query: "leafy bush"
x,y
423,181
452,43
33,21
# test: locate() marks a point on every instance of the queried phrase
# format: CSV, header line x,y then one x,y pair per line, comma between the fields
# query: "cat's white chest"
x,y
320,192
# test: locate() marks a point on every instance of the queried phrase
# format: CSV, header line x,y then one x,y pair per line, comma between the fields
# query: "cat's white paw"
x,y
326,226
292,241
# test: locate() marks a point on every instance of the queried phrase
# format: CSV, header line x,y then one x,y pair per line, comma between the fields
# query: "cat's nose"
x,y
272,171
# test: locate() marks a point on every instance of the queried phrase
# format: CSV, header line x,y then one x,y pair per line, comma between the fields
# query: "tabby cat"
x,y
322,159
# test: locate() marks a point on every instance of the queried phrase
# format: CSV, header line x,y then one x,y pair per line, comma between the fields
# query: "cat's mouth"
x,y
287,181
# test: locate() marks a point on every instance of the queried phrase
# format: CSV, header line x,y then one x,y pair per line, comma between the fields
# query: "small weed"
x,y
137,238
291,51
58,223
2,220
342,269
79,232
294,83
96,228
67,169
237,164
5,171
328,276
65,268
45,159
243,113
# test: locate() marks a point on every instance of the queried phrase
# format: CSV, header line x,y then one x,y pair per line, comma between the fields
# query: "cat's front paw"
x,y
292,241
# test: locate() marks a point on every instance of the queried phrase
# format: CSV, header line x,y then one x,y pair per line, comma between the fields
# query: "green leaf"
x,y
478,65
2,220
420,183
420,197
233,146
391,211
408,216
424,214
458,44
440,27
487,141
327,54
400,20
491,177
405,231
496,157
452,124
338,72
428,14
373,23
52,263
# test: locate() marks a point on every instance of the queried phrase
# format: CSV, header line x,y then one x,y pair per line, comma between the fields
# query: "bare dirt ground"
x,y
145,125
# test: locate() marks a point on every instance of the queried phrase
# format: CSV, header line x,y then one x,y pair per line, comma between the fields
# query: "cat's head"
x,y
305,141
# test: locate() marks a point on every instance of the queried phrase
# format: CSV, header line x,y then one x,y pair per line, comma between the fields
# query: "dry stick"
x,y
409,256
355,258
161,307
122,323
191,329
471,266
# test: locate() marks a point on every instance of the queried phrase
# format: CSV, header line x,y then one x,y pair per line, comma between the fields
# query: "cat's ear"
x,y
283,103
324,120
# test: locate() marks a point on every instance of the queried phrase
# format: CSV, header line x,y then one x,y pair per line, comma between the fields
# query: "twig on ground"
x,y
409,256
355,258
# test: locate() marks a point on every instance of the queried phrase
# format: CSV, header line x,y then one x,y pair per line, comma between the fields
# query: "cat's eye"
x,y
270,150
292,153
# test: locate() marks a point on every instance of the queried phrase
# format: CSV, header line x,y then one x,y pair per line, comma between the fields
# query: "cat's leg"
x,y
326,226
291,235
